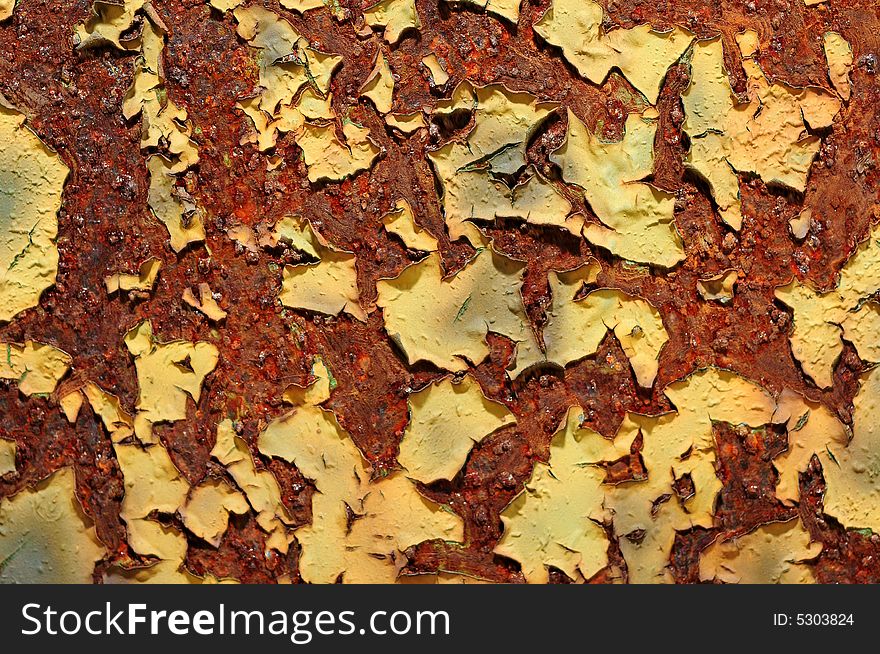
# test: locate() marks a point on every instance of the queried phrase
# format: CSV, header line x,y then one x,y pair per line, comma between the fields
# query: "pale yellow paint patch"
x,y
439,76
638,219
446,420
106,406
168,375
205,302
6,7
328,286
406,123
379,85
642,54
812,429
507,9
45,537
575,329
206,511
329,158
70,404
107,23
554,521
445,321
839,56
402,222
718,288
396,16
148,272
7,456
765,136
259,486
676,444
852,471
819,318
35,366
772,554
31,182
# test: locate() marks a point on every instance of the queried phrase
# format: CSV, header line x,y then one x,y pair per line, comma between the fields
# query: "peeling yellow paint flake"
x,y
329,158
328,286
638,218
259,486
575,329
852,471
35,366
379,85
446,420
205,302
555,520
676,444
7,458
70,404
765,136
839,56
406,123
445,321
106,406
389,515
168,374
45,537
32,179
439,76
812,429
507,9
819,318
467,170
642,54
396,16
718,287
206,512
772,554
402,222
110,19
148,272
6,7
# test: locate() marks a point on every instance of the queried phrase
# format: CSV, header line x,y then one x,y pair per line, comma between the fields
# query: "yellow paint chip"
x,y
812,429
168,375
642,54
638,219
35,366
148,272
327,286
206,511
445,321
555,520
852,471
328,158
772,554
32,178
839,56
446,420
379,85
439,76
764,136
45,537
406,123
575,329
106,406
507,9
402,222
396,16
7,456
107,23
719,287
205,302
6,7
71,403
819,318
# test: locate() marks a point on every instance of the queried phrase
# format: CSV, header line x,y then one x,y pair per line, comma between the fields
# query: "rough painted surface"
x,y
252,223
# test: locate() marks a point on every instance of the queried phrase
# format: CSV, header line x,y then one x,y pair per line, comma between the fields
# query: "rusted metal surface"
x,y
73,101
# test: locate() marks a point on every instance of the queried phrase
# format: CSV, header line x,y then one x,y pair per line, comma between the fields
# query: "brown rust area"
x,y
73,101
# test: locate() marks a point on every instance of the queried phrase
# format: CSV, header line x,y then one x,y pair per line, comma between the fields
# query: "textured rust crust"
x,y
73,99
